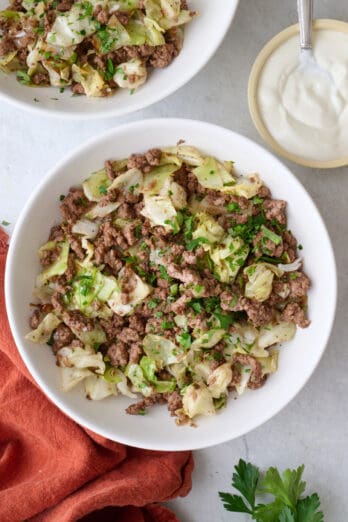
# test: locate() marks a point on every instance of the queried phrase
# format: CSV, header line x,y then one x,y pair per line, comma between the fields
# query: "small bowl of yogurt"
x,y
302,117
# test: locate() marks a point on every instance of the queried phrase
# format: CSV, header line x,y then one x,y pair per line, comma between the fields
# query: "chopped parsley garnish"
x,y
184,340
61,197
233,207
293,275
196,306
174,289
300,247
137,231
153,303
167,325
23,78
103,189
5,223
164,273
133,187
247,231
269,234
194,243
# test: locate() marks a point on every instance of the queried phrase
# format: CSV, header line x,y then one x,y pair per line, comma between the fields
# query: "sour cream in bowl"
x,y
302,111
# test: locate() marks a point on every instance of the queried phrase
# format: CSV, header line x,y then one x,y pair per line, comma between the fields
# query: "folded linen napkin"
x,y
53,470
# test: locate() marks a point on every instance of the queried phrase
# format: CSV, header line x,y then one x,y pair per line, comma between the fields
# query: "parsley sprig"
x,y
287,490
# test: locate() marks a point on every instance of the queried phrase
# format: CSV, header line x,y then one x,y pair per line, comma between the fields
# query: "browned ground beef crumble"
x,y
182,266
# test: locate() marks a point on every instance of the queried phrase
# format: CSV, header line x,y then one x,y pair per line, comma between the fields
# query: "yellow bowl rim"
x,y
256,70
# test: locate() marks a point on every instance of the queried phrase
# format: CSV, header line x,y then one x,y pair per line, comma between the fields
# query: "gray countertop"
x,y
313,429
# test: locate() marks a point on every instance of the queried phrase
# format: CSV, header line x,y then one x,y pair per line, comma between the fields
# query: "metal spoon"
x,y
305,18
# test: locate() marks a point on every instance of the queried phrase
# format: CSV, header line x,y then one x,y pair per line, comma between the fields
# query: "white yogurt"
x,y
306,112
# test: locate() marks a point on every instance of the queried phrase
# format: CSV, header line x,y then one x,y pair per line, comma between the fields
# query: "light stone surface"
x,y
313,429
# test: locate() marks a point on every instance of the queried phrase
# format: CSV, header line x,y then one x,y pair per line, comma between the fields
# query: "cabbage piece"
x,y
89,248
90,79
183,18
89,285
157,182
245,374
161,350
43,332
181,321
97,388
197,400
72,27
96,185
228,258
160,211
136,31
148,365
278,333
122,386
136,376
6,60
77,357
154,32
153,9
178,370
213,175
131,75
58,74
124,5
170,8
244,340
130,181
219,380
101,211
269,364
209,339
245,186
177,195
209,228
85,227
260,282
140,292
202,371
186,153
59,266
70,377
112,37
291,267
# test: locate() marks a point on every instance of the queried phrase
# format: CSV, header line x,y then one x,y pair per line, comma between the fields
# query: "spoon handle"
x,y
305,18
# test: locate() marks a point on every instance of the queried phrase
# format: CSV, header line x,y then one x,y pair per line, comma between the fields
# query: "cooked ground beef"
x,y
74,205
62,336
140,407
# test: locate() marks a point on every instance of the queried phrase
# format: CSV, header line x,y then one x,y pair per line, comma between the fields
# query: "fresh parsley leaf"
x,y
307,509
194,243
245,480
286,515
234,503
268,512
184,340
287,488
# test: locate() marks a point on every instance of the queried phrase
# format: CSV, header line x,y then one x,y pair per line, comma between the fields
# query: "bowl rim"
x,y
10,304
255,113
182,79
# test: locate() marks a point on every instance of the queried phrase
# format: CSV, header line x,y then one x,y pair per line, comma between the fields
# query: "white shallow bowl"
x,y
157,430
202,38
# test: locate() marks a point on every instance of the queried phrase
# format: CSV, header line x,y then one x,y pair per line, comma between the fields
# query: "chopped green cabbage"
x,y
185,153
177,195
154,32
101,211
219,380
228,258
197,400
148,365
209,228
70,377
90,79
130,181
6,60
140,292
163,351
72,27
213,175
97,388
246,187
43,332
160,211
85,227
209,339
59,266
269,364
136,376
81,358
245,340
278,333
157,182
131,75
260,282
95,186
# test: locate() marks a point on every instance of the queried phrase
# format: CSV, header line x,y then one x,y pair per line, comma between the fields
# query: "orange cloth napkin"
x,y
53,470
